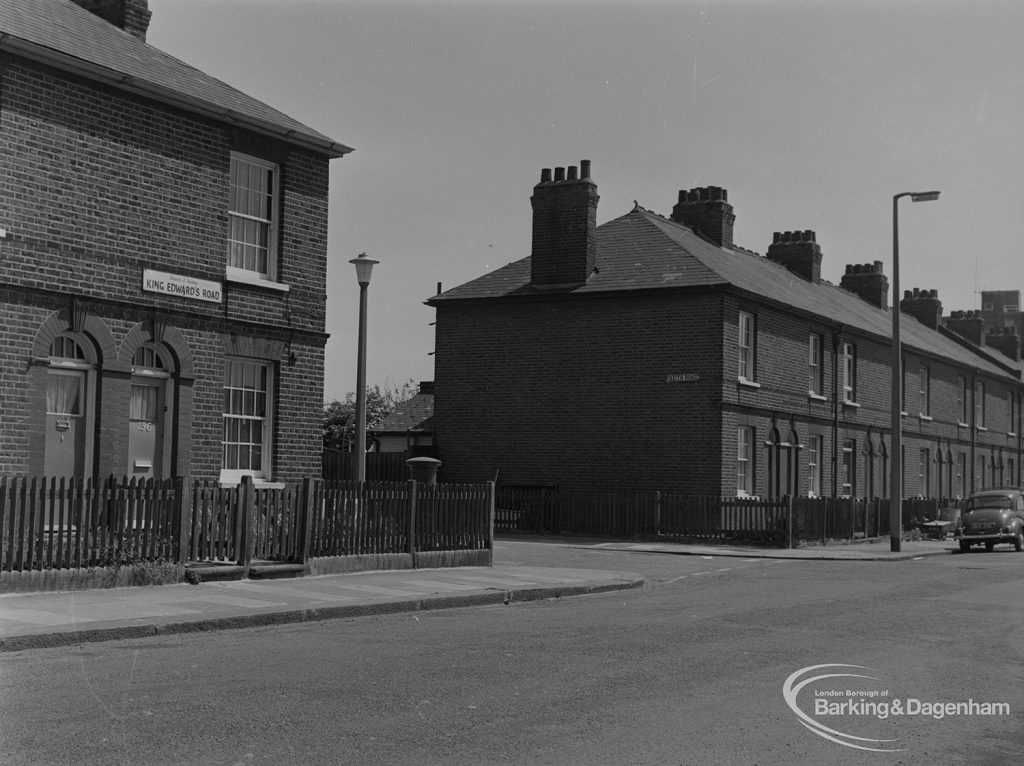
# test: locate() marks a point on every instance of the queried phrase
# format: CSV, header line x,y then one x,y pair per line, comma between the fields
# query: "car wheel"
x,y
965,546
1018,541
989,546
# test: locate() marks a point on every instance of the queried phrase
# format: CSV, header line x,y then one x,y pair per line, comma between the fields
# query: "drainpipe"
x,y
974,434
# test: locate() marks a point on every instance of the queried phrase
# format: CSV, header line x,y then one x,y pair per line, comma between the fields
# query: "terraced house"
x,y
163,256
653,353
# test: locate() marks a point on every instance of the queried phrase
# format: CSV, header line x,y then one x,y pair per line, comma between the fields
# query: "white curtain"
x,y
143,404
64,393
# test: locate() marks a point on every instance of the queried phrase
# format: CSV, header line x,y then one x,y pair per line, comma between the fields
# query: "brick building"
x,y
163,256
651,352
1002,309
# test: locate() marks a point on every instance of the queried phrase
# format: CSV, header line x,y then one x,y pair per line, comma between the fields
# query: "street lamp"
x,y
896,405
364,267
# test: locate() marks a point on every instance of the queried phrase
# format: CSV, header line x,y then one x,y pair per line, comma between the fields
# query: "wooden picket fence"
x,y
778,521
338,465
700,517
400,517
60,523
63,524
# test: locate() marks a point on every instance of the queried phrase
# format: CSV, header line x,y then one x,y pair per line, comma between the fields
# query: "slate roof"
x,y
64,35
415,414
646,251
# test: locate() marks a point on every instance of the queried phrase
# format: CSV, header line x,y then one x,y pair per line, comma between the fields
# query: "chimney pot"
x,y
707,211
867,281
564,249
130,15
584,168
798,252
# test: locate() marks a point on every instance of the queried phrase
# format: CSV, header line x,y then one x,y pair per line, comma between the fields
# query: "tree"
x,y
339,421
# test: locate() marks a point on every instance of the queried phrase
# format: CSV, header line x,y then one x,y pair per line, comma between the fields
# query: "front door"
x,y
146,428
65,423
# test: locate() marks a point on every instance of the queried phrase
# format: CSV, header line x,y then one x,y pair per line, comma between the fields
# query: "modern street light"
x,y
896,405
364,268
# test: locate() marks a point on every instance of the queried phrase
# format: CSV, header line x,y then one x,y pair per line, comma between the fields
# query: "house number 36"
x,y
145,426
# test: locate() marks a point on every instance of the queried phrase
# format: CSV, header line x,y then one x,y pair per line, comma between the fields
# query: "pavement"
x,y
865,550
50,619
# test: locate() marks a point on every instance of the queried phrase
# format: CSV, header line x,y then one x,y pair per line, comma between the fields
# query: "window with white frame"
x,y
252,214
849,471
814,365
849,372
979,404
1011,421
744,460
747,346
961,398
248,416
813,452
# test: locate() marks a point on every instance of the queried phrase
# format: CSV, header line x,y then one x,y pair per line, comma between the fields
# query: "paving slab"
x,y
54,618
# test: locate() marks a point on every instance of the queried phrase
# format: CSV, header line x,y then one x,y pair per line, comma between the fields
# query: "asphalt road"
x,y
687,670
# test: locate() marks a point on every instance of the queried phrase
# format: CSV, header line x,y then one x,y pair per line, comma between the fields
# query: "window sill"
x,y
747,383
235,481
847,403
981,428
962,425
922,416
241,276
1011,433
817,397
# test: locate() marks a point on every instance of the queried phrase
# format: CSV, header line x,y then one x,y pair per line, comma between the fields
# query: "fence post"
x,y
490,514
410,541
183,554
789,520
657,514
306,519
245,508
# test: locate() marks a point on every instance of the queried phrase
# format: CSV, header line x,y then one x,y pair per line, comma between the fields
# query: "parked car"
x,y
993,516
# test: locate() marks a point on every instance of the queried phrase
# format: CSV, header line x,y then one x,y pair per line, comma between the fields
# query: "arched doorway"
x,y
149,413
70,408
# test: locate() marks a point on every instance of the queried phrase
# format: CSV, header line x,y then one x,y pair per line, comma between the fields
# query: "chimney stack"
x,y
797,251
867,281
969,325
564,227
707,211
1005,340
130,15
923,305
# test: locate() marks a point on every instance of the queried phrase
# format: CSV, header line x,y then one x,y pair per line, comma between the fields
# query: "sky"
x,y
811,114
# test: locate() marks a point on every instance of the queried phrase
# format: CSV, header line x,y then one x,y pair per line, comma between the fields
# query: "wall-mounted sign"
x,y
682,377
179,286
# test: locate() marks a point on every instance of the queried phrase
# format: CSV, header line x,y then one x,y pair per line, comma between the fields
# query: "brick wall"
x,y
98,186
578,392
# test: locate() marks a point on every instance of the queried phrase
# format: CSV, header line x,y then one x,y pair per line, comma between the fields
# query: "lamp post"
x,y
896,404
364,267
